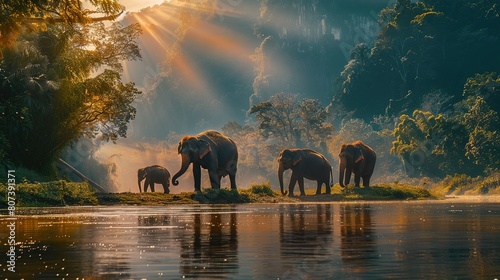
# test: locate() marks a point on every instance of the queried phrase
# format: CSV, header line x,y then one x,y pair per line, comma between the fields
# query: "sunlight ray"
x,y
184,66
220,40
146,26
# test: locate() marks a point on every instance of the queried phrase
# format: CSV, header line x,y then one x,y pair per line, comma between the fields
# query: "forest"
x,y
416,80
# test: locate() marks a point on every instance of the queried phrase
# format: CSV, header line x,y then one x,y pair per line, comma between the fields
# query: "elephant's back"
x,y
213,135
226,148
317,157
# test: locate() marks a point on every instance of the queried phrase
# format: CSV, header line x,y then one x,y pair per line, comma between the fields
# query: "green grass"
x,y
461,184
386,192
54,193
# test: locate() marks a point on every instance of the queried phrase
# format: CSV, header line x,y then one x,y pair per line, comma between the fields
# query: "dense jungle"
x,y
418,81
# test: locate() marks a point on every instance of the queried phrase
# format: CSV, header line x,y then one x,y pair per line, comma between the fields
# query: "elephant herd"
x,y
219,155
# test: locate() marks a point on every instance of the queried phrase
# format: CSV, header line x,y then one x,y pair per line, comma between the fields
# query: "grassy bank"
x,y
461,184
62,193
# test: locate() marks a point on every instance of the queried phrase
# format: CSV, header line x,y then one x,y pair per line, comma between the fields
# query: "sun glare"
x,y
137,5
177,30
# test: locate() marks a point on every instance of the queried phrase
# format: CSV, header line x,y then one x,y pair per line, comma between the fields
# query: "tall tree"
x,y
64,83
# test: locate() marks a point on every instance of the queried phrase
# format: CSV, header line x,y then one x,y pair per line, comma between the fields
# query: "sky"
x,y
137,5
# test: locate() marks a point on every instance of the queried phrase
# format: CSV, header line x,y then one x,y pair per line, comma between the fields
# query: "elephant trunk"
x,y
185,164
342,169
281,169
139,183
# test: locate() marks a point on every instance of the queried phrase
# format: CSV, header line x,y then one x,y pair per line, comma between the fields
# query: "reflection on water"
x,y
285,241
357,242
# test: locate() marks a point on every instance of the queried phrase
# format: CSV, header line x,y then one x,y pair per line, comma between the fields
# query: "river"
x,y
376,240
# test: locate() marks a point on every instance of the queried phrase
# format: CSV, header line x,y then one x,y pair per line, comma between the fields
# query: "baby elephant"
x,y
305,163
154,174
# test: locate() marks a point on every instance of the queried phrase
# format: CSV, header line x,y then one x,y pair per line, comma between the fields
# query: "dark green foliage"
x,y
262,189
52,96
223,196
386,192
463,141
422,46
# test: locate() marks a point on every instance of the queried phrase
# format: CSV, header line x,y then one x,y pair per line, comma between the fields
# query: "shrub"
x,y
263,189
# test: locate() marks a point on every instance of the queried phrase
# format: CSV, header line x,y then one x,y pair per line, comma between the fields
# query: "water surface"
x,y
436,240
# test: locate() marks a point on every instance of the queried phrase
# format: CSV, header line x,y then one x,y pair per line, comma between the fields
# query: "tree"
x,y
431,145
298,123
64,83
37,15
422,47
482,124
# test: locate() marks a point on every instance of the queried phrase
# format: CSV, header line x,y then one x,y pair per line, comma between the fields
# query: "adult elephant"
x,y
357,158
304,163
154,174
212,151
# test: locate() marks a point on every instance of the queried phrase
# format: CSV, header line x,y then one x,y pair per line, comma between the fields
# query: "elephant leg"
x,y
347,177
231,170
366,181
318,188
327,185
165,187
291,186
232,177
357,179
146,184
301,186
152,186
197,177
214,179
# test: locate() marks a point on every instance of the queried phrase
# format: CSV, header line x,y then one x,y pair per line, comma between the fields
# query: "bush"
x,y
263,189
223,196
386,192
461,184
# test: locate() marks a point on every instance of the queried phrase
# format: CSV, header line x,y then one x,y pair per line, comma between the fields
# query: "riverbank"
x,y
63,193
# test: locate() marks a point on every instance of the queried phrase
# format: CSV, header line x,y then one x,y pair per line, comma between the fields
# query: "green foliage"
x,y
298,123
38,15
422,46
52,95
465,141
223,196
54,193
386,192
262,189
431,145
26,175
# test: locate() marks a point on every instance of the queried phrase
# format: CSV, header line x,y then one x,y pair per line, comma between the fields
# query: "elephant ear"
x,y
204,148
342,150
296,158
358,155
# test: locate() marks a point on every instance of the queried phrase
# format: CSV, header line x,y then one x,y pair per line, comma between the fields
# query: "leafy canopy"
x,y
62,83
